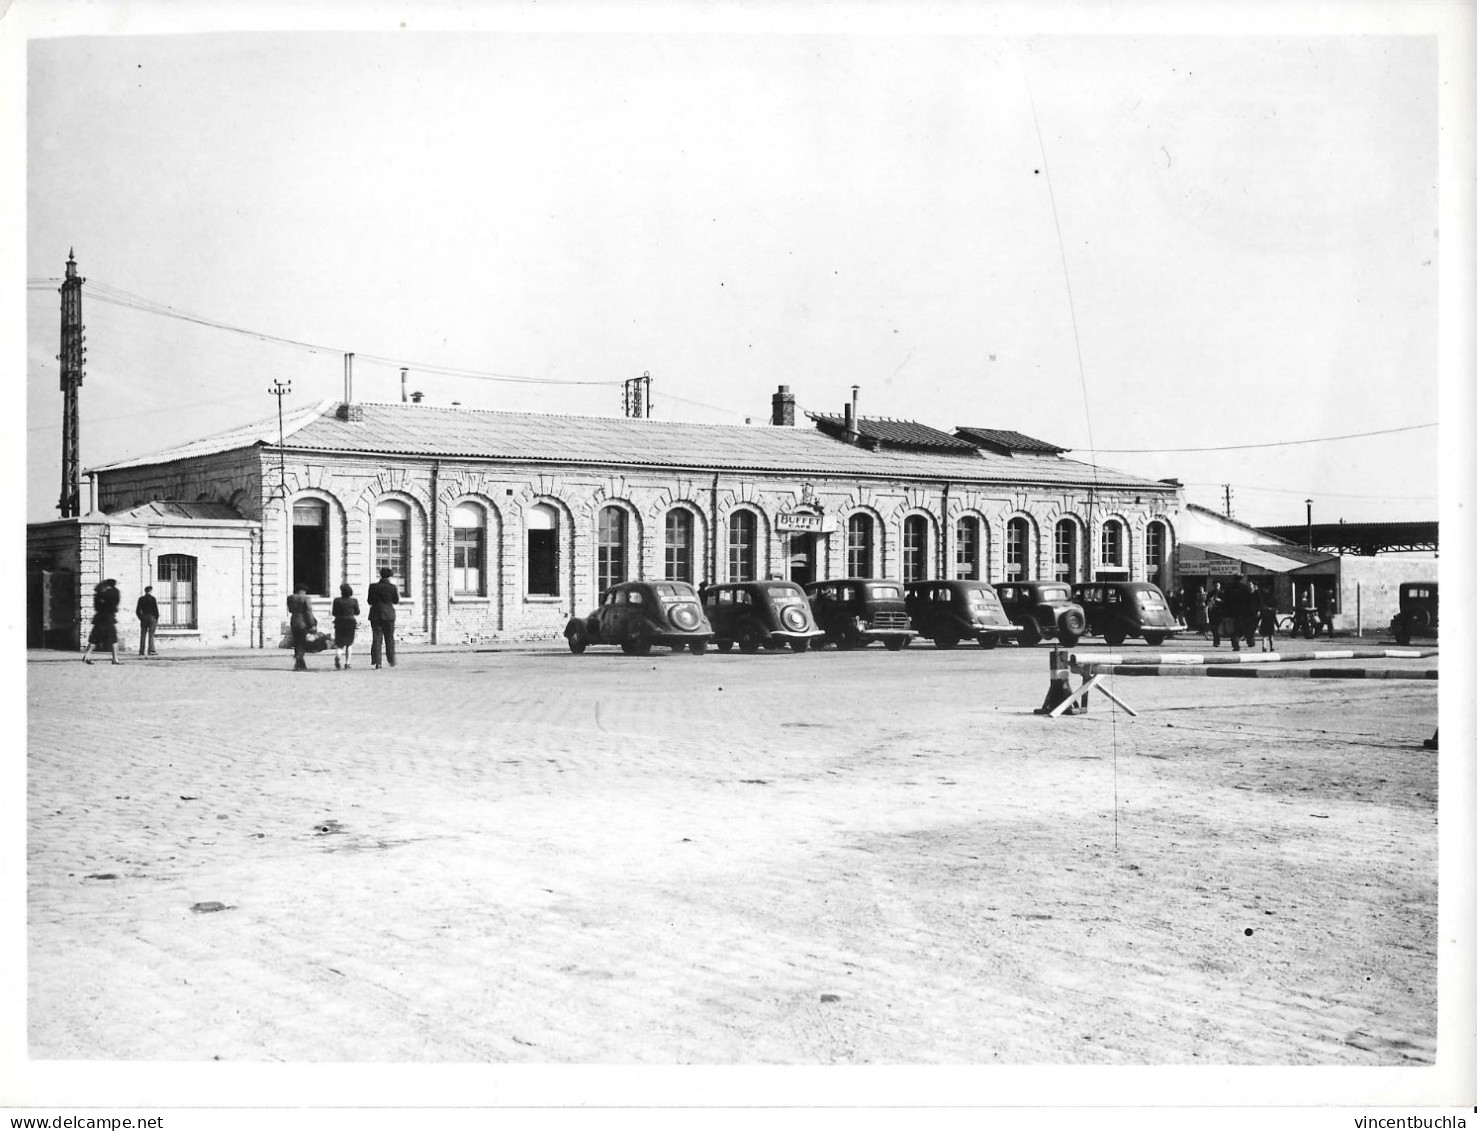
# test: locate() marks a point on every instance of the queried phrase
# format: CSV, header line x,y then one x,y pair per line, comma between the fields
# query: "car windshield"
x,y
982,597
885,592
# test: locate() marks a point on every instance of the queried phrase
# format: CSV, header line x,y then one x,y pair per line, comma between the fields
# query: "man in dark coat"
x,y
147,611
383,597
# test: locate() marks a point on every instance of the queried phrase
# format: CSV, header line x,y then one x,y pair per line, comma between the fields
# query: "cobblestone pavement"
x,y
526,856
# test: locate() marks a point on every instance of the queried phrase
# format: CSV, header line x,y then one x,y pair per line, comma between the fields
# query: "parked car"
x,y
1118,610
855,611
947,612
1043,609
638,614
1417,615
760,614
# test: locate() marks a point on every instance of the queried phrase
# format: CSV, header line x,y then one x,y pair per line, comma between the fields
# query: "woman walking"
x,y
303,621
345,621
104,634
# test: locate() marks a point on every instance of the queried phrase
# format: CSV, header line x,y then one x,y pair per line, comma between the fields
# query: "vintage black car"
x,y
1043,610
855,611
638,614
1418,611
760,614
1118,610
947,612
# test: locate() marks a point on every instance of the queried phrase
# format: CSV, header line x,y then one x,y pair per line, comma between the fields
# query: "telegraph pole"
x,y
279,390
73,358
636,399
1228,501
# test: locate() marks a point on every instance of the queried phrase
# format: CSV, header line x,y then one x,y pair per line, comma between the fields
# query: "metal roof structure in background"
x,y
1006,443
1363,538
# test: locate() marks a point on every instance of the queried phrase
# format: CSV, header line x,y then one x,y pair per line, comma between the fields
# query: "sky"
x,y
1126,245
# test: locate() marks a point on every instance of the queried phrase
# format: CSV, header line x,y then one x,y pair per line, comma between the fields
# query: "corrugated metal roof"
x,y
894,433
435,431
1005,441
1286,558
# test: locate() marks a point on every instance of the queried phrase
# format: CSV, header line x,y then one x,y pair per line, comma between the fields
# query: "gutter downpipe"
x,y
713,536
435,580
944,570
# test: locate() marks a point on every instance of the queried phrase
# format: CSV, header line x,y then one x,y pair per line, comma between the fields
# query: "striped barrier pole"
x,y
1126,659
1096,668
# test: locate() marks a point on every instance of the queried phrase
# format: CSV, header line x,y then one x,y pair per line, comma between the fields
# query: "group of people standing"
x,y
106,601
1238,611
382,597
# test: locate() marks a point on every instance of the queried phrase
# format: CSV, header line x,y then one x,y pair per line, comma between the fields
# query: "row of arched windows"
x,y
743,542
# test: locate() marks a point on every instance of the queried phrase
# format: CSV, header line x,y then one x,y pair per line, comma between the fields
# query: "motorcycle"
x,y
1306,623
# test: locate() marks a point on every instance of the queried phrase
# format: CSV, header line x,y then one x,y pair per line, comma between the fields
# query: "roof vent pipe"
x,y
853,421
416,396
403,395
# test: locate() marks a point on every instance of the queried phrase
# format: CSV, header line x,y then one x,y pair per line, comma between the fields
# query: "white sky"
x,y
1249,227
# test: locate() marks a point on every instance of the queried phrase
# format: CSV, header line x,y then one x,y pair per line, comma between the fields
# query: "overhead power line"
x,y
1270,444
107,293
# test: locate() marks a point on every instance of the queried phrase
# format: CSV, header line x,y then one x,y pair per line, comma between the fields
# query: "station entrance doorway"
x,y
802,555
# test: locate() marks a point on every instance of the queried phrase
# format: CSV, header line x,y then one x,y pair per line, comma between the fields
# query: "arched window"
x,y
743,537
678,551
175,591
859,546
1065,552
969,552
1112,544
610,549
968,559
1156,546
915,548
392,542
542,523
1017,549
310,546
468,551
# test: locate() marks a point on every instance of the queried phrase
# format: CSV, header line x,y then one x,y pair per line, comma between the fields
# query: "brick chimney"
x,y
783,412
853,422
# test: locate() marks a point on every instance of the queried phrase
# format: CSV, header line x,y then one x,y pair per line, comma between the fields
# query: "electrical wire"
x,y
1268,444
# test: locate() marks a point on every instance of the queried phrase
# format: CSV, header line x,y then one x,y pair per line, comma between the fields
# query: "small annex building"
x,y
500,525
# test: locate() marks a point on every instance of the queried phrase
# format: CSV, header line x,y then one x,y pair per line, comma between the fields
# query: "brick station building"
x,y
500,525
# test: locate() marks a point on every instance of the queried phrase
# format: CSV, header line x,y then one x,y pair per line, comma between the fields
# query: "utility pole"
x,y
279,390
1309,502
1228,501
636,397
73,358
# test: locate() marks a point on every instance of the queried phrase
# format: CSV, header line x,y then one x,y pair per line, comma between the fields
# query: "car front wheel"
x,y
1030,632
989,640
748,640
636,647
799,645
946,638
578,641
1154,638
698,647
1114,637
897,643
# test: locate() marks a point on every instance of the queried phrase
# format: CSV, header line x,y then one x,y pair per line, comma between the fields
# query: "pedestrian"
x,y
1267,621
383,597
345,623
147,611
1325,610
1177,605
1214,612
1201,618
302,622
104,634
1251,613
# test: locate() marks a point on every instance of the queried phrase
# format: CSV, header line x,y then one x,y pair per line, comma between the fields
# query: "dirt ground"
x,y
871,858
